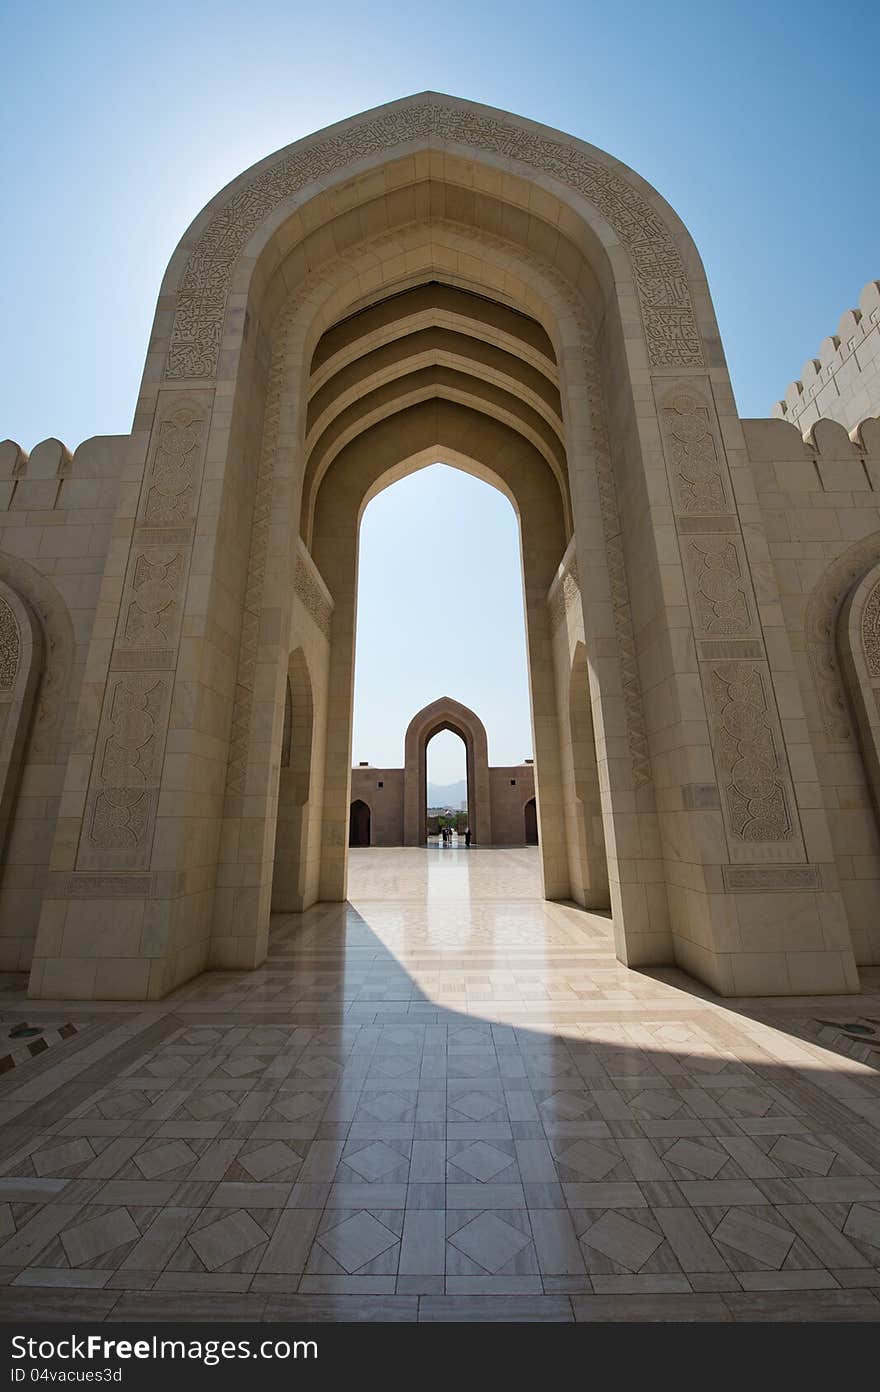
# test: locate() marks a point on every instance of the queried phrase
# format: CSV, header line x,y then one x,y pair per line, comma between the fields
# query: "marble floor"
x,y
444,1100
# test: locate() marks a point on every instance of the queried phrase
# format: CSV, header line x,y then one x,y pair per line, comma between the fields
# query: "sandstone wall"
x,y
56,516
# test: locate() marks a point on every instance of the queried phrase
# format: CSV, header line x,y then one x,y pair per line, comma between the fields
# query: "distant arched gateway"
x,y
496,796
436,280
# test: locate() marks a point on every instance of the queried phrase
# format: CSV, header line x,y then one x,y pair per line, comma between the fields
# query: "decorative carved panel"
x,y
10,647
721,598
749,751
870,631
151,615
564,595
698,473
126,773
312,596
171,492
661,281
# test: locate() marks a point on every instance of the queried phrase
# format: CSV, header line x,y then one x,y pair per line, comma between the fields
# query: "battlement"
x,y
51,476
827,459
843,382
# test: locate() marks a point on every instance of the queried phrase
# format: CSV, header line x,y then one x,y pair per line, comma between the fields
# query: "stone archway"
x,y
530,823
446,714
438,276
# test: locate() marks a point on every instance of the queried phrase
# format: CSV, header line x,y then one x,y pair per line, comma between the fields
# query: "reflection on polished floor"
x,y
444,1100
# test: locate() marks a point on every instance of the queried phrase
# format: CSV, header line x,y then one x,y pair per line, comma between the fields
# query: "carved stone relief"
x,y
870,631
667,310
719,586
152,614
312,596
698,474
10,647
176,458
564,594
748,749
126,774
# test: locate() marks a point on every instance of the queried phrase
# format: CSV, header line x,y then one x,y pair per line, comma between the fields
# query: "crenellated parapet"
x,y
51,476
828,458
843,382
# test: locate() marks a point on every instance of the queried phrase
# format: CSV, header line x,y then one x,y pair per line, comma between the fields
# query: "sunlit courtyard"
x,y
443,1100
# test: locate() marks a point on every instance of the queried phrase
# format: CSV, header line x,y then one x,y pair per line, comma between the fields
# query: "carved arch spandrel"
x,y
21,661
858,647
657,265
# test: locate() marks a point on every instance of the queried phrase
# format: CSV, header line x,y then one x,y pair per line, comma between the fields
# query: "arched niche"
x,y
858,646
294,788
21,663
590,864
446,714
359,823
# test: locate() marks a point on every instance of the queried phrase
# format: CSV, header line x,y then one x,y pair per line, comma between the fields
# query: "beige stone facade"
x,y
396,798
436,279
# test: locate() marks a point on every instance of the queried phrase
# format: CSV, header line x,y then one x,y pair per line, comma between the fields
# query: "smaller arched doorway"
x,y
446,714
359,824
530,815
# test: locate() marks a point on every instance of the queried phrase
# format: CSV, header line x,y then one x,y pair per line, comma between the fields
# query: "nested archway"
x,y
435,280
464,438
446,714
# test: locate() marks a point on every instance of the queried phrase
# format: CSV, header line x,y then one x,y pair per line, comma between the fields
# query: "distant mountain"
x,y
447,794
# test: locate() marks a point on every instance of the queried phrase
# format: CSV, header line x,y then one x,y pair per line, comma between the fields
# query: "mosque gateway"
x,y
439,280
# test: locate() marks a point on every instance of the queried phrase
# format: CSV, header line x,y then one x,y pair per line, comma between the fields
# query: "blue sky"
x,y
757,121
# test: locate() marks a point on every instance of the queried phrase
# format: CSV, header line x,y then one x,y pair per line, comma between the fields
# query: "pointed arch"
x,y
446,714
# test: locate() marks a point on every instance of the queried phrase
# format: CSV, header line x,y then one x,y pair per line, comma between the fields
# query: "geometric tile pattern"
x,y
446,1099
